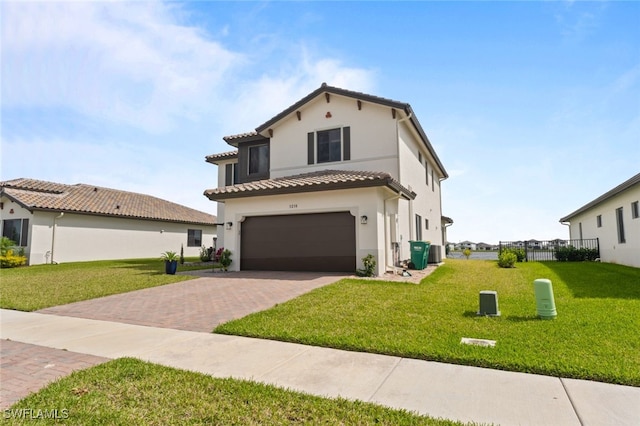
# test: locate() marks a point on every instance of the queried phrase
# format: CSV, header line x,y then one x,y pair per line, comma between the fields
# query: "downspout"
x,y
387,244
53,235
401,120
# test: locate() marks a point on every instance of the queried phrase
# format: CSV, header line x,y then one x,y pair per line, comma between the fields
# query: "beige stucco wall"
x,y
370,237
87,237
627,253
373,137
413,175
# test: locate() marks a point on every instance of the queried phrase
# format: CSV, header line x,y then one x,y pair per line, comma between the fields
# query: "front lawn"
x,y
41,286
595,336
131,392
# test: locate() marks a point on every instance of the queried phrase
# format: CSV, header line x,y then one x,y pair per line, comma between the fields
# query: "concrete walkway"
x,y
439,390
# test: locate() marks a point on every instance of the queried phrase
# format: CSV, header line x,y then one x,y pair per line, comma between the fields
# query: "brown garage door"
x,y
323,242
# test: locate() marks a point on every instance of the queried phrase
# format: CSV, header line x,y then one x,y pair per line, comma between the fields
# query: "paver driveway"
x,y
199,304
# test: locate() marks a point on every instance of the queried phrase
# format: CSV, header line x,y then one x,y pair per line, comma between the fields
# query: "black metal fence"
x,y
554,250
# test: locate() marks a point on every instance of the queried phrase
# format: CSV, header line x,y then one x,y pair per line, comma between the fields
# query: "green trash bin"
x,y
419,253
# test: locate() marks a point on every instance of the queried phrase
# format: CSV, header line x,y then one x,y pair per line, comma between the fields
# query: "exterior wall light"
x,y
229,225
363,220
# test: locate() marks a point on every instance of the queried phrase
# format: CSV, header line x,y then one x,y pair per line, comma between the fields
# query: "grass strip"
x,y
132,392
41,286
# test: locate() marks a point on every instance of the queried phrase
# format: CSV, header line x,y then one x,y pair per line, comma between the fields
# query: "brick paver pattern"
x,y
26,368
200,304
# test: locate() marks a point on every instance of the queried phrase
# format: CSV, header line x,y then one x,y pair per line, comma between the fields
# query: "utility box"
x,y
489,304
419,253
545,304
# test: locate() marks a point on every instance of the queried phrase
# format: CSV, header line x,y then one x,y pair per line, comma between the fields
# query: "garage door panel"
x,y
305,242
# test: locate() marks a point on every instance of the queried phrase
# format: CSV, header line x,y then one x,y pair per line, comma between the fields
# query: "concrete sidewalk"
x,y
435,389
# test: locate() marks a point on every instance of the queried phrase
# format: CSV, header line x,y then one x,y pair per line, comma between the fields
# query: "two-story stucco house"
x,y
613,218
336,176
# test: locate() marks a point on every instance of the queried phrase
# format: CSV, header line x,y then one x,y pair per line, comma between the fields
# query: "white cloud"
x,y
129,63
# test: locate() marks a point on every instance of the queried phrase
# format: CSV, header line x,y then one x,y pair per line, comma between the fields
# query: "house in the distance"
x,y
331,179
613,218
57,223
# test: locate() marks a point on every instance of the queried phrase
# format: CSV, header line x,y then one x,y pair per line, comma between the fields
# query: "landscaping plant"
x,y
507,259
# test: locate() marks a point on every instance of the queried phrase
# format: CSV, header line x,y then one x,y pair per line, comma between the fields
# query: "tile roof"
x,y
89,199
615,191
325,88
324,180
215,158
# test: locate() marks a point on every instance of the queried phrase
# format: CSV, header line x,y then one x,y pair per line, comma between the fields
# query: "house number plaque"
x,y
293,206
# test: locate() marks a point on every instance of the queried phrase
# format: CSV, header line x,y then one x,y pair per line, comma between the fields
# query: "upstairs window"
x,y
635,211
258,159
327,146
599,221
231,174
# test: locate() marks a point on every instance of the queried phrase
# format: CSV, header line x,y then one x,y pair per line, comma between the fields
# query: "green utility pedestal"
x,y
546,305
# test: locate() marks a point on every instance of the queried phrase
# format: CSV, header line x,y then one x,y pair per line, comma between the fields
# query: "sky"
x,y
532,107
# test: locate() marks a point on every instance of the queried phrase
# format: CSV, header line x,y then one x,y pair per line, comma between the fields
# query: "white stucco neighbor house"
x,y
57,223
613,218
333,178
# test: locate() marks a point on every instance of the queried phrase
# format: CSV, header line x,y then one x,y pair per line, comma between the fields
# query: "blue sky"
x,y
533,107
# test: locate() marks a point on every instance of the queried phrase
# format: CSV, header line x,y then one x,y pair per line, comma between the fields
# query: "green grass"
x,y
41,286
131,392
595,335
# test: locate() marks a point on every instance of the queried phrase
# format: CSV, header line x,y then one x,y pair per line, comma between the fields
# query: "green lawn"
x,y
40,286
131,392
595,336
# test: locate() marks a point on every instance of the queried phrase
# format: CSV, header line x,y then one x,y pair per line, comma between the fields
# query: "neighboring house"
x,y
466,245
335,177
58,223
613,218
558,243
484,246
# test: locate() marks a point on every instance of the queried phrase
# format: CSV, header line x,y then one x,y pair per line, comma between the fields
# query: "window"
x,y
231,174
419,157
327,146
433,182
620,225
426,224
17,230
194,237
426,172
635,211
258,159
599,221
418,227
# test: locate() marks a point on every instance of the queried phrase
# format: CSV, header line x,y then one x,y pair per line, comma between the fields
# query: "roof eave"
x,y
611,193
389,183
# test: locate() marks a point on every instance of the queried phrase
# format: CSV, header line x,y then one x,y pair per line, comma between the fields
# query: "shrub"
x,y
369,263
507,259
225,259
572,254
466,252
10,260
518,252
205,255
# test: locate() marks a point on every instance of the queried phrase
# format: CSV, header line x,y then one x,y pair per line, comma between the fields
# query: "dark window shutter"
x,y
346,143
310,156
228,172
